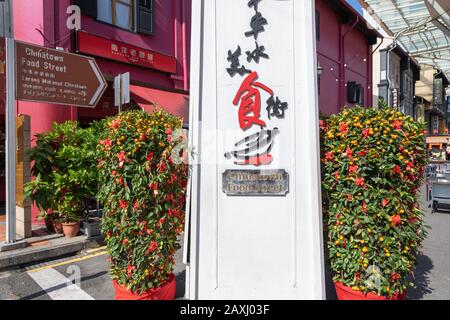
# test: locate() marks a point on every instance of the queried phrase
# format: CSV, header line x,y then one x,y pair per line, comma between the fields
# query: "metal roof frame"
x,y
422,27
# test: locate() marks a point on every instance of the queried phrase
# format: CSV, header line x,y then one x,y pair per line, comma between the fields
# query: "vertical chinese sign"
x,y
258,105
255,222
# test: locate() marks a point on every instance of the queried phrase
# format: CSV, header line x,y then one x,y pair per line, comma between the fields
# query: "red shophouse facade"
x,y
148,38
344,53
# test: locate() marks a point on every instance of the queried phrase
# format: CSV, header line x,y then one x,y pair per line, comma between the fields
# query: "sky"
x,y
355,4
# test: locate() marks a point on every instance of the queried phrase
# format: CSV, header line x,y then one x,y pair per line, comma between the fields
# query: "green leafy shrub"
x,y
143,192
373,164
64,169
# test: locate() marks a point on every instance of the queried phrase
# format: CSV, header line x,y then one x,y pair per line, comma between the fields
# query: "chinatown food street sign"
x,y
256,182
54,76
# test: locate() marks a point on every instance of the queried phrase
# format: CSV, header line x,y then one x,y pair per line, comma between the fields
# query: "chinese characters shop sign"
x,y
119,51
254,149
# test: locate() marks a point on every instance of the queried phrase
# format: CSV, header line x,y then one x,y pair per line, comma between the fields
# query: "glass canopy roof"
x,y
421,26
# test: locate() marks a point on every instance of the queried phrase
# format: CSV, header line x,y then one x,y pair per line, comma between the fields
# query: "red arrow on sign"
x,y
53,76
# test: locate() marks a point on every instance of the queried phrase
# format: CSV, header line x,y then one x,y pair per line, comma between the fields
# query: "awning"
x,y
421,26
147,98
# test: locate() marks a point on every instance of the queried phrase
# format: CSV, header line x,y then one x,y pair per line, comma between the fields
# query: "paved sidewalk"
x,y
433,270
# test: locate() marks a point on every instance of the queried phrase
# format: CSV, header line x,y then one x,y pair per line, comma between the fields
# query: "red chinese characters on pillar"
x,y
250,102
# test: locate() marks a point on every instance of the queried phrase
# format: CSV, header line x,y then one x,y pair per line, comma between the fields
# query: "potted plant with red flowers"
x,y
143,194
373,165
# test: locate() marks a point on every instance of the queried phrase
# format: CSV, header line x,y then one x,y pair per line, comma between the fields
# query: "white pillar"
x,y
255,246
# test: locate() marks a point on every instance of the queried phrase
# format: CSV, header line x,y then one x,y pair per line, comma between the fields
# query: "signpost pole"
x,y
120,93
10,135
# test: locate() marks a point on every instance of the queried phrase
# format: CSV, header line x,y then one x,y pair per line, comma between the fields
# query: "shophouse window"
x,y
133,15
117,12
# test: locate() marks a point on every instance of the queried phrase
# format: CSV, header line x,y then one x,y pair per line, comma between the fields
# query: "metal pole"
x,y
10,134
120,93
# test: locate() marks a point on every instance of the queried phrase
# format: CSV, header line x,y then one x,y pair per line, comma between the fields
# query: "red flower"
x,y
169,135
349,153
115,124
143,137
162,166
395,277
329,156
173,178
136,206
114,173
365,133
336,175
362,153
123,204
121,156
384,202
150,156
130,269
124,241
364,207
396,219
413,220
343,128
153,246
397,124
349,197
160,222
322,125
170,198
410,165
106,142
397,169
360,182
153,186
353,168
122,181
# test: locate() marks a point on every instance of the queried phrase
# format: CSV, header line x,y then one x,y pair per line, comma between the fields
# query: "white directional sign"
x,y
255,220
122,89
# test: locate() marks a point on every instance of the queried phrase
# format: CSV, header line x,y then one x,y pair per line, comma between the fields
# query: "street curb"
x,y
13,259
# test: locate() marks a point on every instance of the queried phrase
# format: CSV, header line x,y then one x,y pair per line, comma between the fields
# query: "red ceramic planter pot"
x,y
346,293
165,292
71,229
